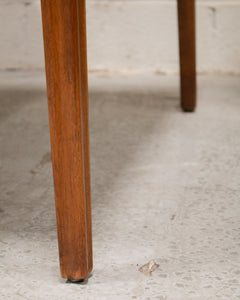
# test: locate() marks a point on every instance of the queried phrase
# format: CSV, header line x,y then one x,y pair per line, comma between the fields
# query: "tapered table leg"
x,y
186,25
64,31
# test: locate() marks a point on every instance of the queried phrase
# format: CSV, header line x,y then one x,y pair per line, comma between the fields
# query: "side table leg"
x,y
186,25
64,31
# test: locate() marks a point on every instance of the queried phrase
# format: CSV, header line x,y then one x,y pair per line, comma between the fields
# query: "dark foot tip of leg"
x,y
188,110
79,281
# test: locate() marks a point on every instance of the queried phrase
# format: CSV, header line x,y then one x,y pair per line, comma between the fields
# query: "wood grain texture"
x,y
187,49
64,31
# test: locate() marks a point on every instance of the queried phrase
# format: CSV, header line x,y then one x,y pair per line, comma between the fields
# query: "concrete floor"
x,y
165,186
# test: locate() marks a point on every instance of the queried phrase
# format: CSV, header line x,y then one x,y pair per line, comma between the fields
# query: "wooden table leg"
x,y
64,31
186,25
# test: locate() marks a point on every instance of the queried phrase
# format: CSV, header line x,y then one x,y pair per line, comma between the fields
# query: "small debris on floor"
x,y
148,268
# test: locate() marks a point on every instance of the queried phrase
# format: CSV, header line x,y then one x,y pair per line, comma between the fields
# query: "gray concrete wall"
x,y
127,35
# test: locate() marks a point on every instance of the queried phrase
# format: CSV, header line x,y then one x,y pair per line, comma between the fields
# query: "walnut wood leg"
x,y
64,32
186,25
